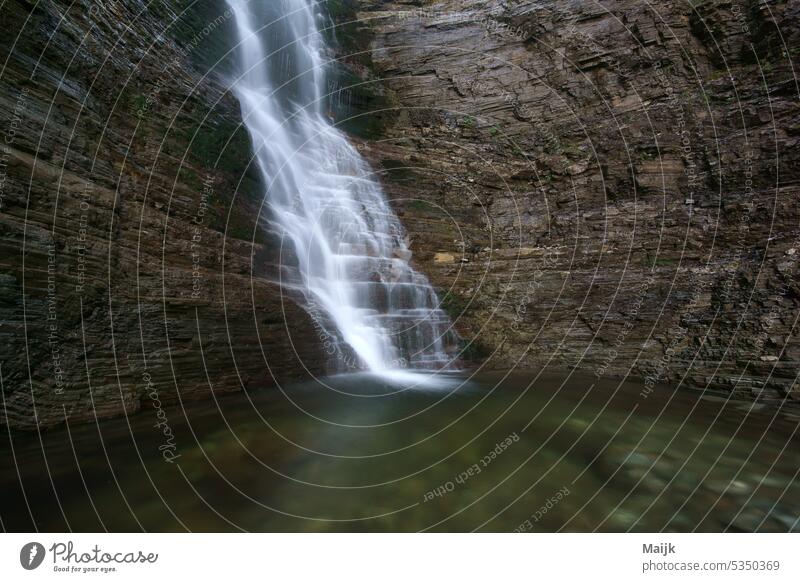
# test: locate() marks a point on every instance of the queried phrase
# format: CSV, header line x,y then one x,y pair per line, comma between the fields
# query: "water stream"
x,y
352,261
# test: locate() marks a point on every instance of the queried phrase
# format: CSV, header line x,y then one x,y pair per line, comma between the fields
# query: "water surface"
x,y
356,453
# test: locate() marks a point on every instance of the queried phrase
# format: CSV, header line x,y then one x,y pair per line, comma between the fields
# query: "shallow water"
x,y
355,453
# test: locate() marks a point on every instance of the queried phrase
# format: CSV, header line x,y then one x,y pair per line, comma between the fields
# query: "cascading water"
x,y
352,261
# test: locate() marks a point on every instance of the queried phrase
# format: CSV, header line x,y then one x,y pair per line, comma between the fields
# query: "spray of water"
x,y
352,262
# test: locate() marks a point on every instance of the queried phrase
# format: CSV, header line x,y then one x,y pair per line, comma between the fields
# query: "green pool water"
x,y
489,452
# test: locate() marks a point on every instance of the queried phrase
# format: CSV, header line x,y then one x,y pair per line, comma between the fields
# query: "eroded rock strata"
x,y
134,273
607,185
610,186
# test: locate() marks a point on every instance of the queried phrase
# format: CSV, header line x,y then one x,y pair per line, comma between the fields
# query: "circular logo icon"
x,y
31,555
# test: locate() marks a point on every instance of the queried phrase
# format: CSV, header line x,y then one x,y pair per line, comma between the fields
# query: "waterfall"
x,y
351,261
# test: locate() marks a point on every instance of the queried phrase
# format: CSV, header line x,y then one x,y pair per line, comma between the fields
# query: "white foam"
x,y
325,200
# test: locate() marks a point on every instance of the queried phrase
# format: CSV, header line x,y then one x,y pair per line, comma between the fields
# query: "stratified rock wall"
x,y
608,185
134,273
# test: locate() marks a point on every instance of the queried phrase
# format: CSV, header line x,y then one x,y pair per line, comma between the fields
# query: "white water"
x,y
351,259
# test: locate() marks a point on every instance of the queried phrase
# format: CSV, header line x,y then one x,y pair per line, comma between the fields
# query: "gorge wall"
x,y
134,272
606,186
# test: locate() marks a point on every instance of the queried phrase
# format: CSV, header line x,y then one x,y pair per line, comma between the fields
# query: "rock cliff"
x,y
134,271
611,185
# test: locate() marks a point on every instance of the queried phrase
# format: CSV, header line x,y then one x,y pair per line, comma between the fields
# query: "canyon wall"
x,y
609,187
134,271
606,186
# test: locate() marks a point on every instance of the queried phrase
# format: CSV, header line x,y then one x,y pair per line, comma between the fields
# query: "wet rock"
x,y
624,147
136,235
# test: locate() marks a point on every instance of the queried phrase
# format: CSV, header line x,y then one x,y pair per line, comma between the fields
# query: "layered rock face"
x,y
609,186
135,272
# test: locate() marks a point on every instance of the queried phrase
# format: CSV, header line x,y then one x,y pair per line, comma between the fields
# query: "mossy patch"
x,y
347,33
222,144
358,107
474,351
206,29
454,305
